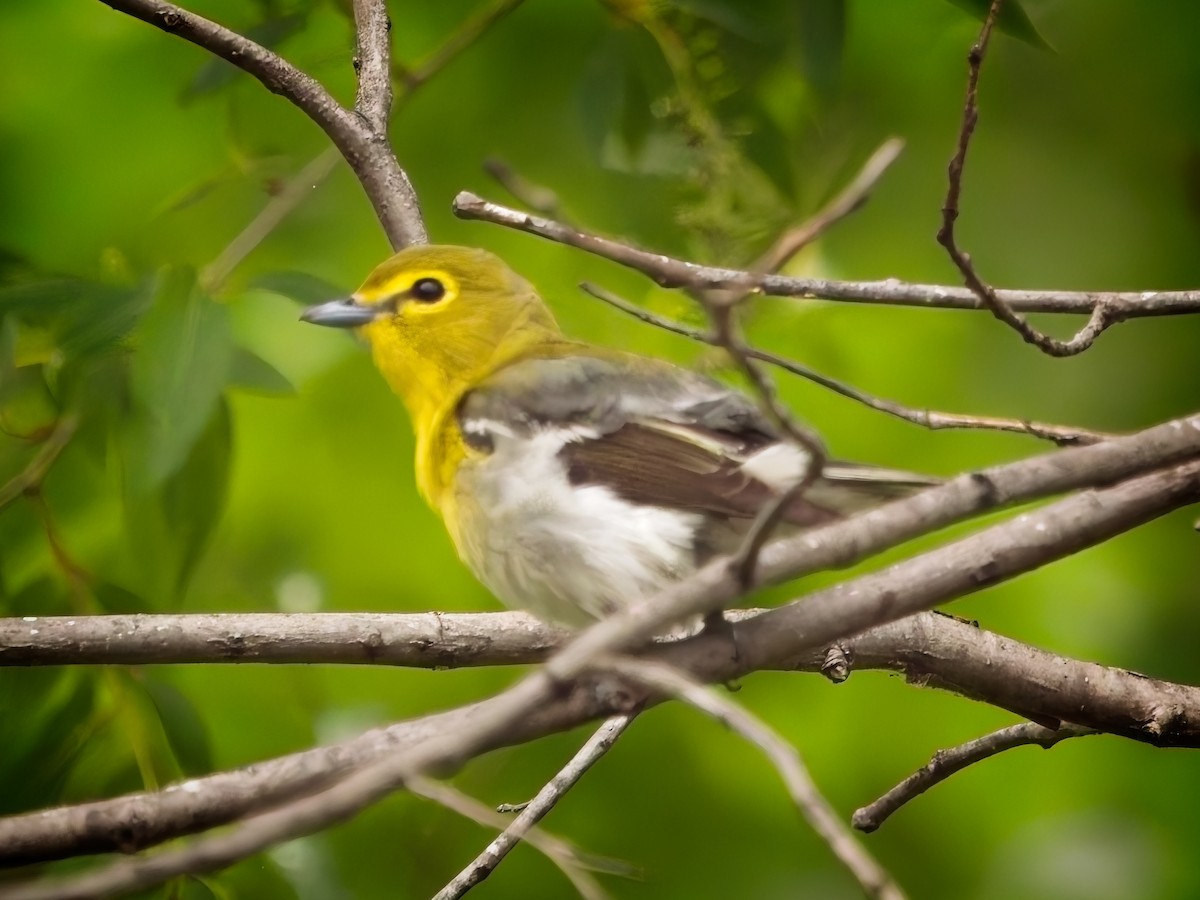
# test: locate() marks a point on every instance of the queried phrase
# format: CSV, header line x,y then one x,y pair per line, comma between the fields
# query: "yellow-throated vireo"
x,y
573,479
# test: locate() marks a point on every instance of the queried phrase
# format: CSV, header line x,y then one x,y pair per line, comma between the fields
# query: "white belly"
x,y
566,553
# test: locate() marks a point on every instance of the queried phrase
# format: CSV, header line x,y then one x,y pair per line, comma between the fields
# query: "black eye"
x,y
428,289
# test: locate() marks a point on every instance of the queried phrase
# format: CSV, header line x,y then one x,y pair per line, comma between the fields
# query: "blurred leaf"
x,y
193,497
216,72
729,15
251,372
185,345
78,317
45,711
822,37
617,96
185,729
116,600
1013,20
41,597
298,286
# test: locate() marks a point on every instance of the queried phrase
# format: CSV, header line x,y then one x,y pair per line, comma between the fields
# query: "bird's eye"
x,y
428,290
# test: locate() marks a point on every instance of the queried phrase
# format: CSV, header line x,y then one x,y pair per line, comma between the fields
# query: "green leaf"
x,y
80,317
45,712
184,352
251,372
192,498
298,286
185,730
1013,20
822,38
116,600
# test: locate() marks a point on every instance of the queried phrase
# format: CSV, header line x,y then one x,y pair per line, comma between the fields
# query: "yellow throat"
x,y
442,319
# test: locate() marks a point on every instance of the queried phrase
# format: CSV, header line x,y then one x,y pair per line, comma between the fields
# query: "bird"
x,y
574,480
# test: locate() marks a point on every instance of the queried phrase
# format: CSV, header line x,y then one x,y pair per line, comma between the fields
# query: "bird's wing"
x,y
660,435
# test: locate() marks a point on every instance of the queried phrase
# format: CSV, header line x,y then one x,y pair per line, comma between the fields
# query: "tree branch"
x,y
558,696
373,99
670,272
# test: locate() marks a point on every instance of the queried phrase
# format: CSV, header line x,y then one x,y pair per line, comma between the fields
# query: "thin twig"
x,y
31,477
537,197
560,852
848,200
671,272
269,217
473,28
533,812
945,763
804,440
873,878
1103,314
1061,435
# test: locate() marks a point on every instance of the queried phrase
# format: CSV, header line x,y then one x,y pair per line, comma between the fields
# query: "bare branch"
x,y
947,762
670,272
872,877
932,650
535,810
423,640
1103,313
1062,435
365,149
556,696
373,99
973,563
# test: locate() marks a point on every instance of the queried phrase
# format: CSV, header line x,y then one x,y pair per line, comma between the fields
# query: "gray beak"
x,y
344,313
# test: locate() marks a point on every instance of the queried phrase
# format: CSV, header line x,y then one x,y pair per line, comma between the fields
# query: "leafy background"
x,y
218,455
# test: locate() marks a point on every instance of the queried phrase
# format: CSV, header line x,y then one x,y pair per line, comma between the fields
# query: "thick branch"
x,y
931,650
364,148
424,640
373,100
670,272
554,698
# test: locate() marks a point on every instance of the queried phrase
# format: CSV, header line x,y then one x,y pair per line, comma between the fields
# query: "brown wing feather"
x,y
648,465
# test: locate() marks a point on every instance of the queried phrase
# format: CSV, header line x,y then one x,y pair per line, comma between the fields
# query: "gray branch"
x,y
670,272
561,694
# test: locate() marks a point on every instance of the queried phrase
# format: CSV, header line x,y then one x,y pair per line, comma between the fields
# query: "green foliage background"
x,y
228,457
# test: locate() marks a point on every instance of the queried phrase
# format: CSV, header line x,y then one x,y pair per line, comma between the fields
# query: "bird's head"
x,y
440,317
